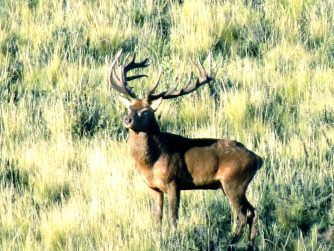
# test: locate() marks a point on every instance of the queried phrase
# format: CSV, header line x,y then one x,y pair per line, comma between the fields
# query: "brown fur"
x,y
170,163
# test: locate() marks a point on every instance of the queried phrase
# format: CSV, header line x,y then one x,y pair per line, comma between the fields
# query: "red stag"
x,y
170,163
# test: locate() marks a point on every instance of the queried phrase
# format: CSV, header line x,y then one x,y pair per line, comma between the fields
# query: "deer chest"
x,y
154,178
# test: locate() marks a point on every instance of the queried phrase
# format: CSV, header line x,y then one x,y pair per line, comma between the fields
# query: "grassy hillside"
x,y
66,181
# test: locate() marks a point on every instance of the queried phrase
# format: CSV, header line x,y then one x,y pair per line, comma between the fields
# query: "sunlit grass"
x,y
67,181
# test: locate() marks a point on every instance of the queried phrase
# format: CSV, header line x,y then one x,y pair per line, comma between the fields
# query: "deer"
x,y
170,163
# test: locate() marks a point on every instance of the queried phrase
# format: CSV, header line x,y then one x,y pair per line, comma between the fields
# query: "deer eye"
x,y
142,113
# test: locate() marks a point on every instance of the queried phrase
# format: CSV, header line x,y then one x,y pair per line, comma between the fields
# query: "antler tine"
x,y
152,89
203,78
200,69
217,69
119,83
114,80
186,87
133,64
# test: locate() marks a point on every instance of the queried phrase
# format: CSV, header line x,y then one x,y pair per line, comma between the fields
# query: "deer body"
x,y
166,158
170,163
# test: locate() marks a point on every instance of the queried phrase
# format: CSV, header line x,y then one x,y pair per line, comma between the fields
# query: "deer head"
x,y
141,110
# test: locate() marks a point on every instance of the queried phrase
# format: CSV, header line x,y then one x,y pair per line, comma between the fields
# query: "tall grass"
x,y
66,179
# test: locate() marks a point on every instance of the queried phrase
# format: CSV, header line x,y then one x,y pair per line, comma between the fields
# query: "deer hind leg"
x,y
240,207
252,219
240,220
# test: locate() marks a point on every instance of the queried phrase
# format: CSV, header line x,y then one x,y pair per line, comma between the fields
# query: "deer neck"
x,y
144,145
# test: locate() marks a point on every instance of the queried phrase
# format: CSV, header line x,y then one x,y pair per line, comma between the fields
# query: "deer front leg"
x,y
173,194
158,202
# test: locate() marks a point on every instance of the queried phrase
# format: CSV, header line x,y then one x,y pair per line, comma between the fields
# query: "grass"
x,y
66,179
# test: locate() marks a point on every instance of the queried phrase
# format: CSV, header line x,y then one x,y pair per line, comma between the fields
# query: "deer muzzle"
x,y
128,121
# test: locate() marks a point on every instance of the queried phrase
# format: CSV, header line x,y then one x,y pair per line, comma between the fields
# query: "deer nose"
x,y
128,121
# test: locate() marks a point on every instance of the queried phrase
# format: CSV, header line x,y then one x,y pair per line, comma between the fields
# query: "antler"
x,y
120,83
192,85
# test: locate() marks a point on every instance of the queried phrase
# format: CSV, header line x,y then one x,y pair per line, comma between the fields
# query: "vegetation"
x,y
66,180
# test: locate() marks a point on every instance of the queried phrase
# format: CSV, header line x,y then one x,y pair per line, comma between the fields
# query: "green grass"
x,y
66,179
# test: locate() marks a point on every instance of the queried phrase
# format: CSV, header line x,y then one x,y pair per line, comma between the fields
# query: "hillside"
x,y
67,181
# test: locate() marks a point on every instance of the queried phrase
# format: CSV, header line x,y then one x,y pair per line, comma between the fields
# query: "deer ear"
x,y
155,104
124,101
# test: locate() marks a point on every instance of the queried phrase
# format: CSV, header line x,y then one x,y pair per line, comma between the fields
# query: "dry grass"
x,y
66,180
